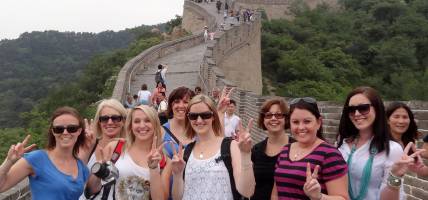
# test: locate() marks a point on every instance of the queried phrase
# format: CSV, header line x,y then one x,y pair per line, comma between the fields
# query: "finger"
x,y
308,172
18,146
29,148
174,152
86,123
407,148
315,174
417,152
229,92
250,125
159,149
154,142
180,150
25,141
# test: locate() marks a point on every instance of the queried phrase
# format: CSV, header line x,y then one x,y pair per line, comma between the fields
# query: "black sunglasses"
x,y
363,109
69,128
203,115
309,100
269,115
114,118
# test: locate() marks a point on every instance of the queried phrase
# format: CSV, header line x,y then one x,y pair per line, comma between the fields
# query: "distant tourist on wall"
x,y
144,96
160,75
218,6
231,121
198,90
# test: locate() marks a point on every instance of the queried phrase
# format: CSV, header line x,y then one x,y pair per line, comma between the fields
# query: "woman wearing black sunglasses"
x,y
376,163
273,119
206,173
55,172
107,126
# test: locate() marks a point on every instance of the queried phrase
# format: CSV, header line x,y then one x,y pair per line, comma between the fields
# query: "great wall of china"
x,y
232,59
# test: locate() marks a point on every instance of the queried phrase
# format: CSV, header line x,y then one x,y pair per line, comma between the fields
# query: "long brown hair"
x,y
217,127
80,139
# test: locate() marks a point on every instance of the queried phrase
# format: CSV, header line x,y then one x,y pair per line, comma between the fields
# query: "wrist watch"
x,y
394,181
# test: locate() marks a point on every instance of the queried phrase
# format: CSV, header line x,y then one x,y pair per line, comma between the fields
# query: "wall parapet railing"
x,y
147,57
225,43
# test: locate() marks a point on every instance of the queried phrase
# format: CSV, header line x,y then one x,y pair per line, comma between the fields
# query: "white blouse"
x,y
207,179
380,169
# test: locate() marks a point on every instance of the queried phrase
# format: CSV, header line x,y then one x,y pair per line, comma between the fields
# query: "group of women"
x,y
189,158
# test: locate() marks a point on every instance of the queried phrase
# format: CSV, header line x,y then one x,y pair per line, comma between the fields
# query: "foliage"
x,y
325,53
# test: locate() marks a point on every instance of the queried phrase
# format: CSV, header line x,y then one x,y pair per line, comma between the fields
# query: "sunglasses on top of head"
x,y
114,118
309,100
69,128
363,109
203,115
269,115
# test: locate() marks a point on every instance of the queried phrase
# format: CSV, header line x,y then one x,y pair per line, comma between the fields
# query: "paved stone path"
x,y
183,66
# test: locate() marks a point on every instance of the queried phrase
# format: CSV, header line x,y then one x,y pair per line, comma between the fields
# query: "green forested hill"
x,y
325,53
38,62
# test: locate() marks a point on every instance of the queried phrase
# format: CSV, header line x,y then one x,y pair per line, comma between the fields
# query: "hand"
x,y
16,151
224,100
155,154
401,166
177,161
90,137
244,137
312,187
418,164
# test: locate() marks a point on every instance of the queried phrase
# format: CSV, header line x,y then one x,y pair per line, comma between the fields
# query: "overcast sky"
x,y
19,16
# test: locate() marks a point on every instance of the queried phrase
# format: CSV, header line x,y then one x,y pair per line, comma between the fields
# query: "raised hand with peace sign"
x,y
244,137
312,187
224,99
177,161
155,154
401,166
16,151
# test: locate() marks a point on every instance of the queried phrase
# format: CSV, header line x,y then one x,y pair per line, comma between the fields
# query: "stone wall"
x,y
276,9
144,59
234,55
19,192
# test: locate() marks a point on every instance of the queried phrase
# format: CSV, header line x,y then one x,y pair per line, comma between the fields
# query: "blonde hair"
x,y
154,120
217,127
115,105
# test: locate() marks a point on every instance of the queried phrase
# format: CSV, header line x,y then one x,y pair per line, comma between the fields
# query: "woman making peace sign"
x,y
54,172
138,165
206,174
293,177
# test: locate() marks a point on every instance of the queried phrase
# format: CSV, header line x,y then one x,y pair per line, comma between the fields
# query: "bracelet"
x,y
393,181
153,166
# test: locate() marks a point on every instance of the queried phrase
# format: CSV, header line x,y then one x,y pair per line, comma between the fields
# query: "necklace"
x,y
201,155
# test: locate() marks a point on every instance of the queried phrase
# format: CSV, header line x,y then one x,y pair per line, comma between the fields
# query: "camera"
x,y
106,172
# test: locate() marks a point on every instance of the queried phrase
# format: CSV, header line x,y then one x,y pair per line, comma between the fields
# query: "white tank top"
x,y
133,182
207,179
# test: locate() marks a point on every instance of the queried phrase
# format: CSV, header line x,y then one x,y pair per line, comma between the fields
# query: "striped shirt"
x,y
290,176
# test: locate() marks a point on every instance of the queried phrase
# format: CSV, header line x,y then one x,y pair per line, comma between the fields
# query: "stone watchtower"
x,y
276,9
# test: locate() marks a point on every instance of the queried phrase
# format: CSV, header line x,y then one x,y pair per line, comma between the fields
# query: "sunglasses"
x,y
363,109
309,100
69,128
269,115
114,118
203,115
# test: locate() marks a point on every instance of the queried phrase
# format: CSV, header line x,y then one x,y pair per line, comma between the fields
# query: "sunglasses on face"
x,y
69,128
114,118
363,109
203,115
309,100
269,115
